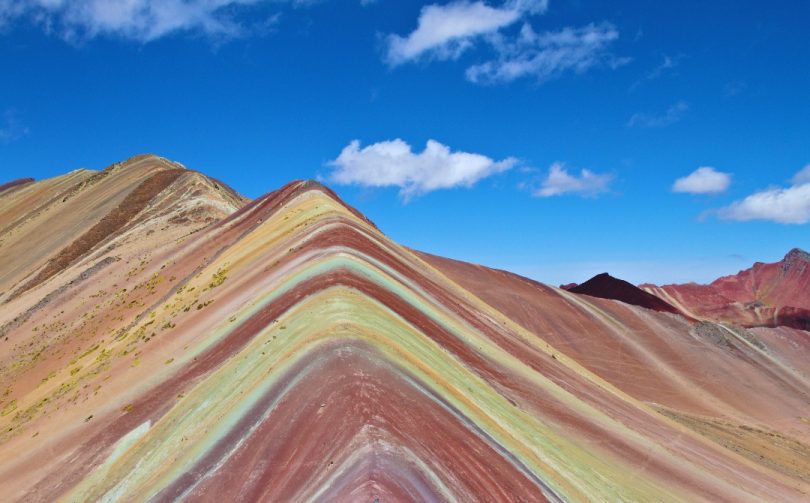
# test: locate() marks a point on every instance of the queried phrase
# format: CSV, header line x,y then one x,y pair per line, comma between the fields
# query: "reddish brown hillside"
x,y
775,294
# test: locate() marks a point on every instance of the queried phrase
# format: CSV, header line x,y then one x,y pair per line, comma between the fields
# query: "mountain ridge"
x,y
765,294
286,349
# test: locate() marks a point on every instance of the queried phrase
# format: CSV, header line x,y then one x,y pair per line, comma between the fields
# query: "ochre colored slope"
x,y
46,226
8,186
111,223
291,352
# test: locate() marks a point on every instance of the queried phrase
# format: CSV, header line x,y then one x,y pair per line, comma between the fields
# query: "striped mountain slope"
x,y
209,348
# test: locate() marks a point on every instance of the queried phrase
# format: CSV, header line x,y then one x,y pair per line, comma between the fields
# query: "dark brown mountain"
x,y
606,286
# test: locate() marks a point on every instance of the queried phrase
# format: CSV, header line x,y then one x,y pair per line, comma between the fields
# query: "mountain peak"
x,y
797,254
607,287
141,161
795,258
765,294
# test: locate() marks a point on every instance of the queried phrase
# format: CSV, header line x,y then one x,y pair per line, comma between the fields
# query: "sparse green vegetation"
x,y
8,409
93,348
218,278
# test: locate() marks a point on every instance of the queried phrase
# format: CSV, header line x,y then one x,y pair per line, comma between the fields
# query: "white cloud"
x,y
704,180
140,20
559,181
789,205
547,55
393,164
446,31
672,115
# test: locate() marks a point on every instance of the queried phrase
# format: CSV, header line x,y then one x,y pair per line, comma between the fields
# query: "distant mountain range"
x,y
766,295
164,338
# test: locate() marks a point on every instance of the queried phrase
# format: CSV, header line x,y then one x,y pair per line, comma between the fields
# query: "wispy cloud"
x,y
784,205
559,181
394,164
547,55
11,128
802,177
139,20
667,65
704,180
672,115
447,31
733,89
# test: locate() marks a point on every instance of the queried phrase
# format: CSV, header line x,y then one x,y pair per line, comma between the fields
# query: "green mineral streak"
x,y
213,408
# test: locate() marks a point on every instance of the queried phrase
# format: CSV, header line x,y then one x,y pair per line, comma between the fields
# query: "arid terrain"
x,y
765,295
163,338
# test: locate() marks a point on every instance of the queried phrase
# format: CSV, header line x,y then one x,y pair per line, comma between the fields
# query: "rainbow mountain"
x,y
163,338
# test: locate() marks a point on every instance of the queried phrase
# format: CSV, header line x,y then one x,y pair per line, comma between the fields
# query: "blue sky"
x,y
555,139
